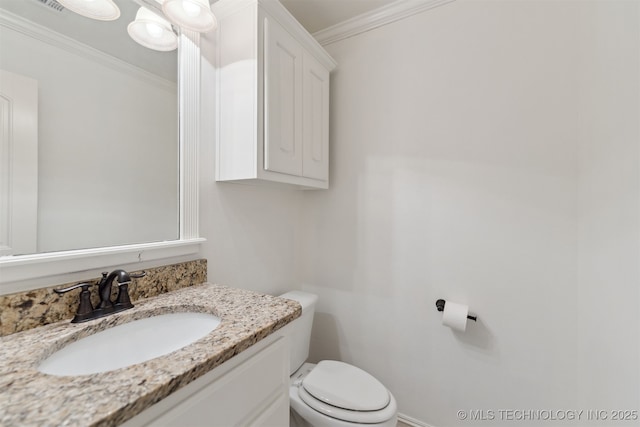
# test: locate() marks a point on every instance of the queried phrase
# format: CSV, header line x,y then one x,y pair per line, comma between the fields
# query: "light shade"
x,y
102,10
152,31
193,15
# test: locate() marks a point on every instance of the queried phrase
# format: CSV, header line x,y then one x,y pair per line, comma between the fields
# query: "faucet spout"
x,y
87,312
106,283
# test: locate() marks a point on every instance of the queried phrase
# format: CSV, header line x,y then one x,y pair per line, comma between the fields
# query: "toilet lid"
x,y
344,386
357,417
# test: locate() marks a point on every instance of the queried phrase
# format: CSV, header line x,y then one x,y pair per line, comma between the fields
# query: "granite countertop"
x,y
31,398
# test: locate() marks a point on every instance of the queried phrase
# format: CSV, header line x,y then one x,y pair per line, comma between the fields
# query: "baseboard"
x,y
412,422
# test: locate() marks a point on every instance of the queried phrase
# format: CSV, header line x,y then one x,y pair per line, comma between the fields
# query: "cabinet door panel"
x,y
276,415
315,150
283,95
238,395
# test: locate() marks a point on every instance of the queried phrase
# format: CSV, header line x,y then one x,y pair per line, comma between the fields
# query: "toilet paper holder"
x,y
440,305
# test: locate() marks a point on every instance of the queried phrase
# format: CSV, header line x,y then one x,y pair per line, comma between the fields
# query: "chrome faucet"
x,y
105,306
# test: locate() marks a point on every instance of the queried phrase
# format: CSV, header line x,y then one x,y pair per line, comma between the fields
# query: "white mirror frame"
x,y
21,273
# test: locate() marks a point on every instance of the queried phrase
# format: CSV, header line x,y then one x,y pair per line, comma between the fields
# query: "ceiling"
x,y
112,37
317,15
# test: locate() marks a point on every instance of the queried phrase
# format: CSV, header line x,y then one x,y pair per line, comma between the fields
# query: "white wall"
x,y
251,230
485,152
608,213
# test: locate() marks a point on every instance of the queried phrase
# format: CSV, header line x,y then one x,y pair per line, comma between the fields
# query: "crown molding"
x,y
384,15
38,32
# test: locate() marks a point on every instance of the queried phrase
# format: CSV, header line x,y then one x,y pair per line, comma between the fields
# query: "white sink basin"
x,y
129,344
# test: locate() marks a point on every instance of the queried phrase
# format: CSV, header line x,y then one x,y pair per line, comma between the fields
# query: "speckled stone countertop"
x,y
31,398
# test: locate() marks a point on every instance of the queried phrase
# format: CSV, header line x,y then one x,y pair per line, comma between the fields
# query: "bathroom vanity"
x,y
249,390
235,375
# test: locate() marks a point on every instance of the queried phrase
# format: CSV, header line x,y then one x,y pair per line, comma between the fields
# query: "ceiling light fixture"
x,y
193,15
152,31
102,10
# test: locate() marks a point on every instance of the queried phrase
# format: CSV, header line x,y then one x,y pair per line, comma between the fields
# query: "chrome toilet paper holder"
x,y
440,306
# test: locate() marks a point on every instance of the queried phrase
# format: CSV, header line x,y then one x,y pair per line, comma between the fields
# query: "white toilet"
x,y
331,393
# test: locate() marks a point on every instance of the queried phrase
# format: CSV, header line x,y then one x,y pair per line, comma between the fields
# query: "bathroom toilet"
x,y
331,393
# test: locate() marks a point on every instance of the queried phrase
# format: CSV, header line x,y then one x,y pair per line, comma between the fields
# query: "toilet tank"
x,y
299,331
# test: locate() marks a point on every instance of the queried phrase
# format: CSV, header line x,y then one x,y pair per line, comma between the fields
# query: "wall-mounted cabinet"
x,y
273,97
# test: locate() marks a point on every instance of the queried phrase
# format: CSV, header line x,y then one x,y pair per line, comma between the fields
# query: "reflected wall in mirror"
x,y
105,160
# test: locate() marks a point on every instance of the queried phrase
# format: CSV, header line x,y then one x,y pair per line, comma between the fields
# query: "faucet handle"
x,y
123,301
85,308
138,275
83,285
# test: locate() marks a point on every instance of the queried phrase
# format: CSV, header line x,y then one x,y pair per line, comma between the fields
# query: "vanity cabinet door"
x,y
315,147
283,97
249,390
277,414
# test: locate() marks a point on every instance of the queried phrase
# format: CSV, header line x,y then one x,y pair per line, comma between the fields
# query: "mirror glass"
x,y
89,128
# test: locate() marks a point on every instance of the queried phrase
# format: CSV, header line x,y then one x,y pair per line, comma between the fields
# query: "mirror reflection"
x,y
89,128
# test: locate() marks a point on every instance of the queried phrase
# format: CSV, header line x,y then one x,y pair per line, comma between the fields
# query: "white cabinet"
x,y
251,389
283,99
273,97
315,125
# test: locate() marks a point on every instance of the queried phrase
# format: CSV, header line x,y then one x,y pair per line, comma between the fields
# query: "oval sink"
x,y
130,343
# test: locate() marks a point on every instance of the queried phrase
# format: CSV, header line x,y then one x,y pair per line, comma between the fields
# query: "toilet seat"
x,y
346,386
345,392
358,417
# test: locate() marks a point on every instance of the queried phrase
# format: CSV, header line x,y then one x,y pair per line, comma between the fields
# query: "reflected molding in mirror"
x,y
19,273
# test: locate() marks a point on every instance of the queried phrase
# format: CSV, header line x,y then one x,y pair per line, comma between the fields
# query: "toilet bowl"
x,y
331,393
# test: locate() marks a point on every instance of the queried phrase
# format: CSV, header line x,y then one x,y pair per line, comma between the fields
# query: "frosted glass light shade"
x,y
102,10
193,15
151,31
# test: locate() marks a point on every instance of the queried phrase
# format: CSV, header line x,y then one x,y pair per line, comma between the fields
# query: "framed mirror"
x,y
110,176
